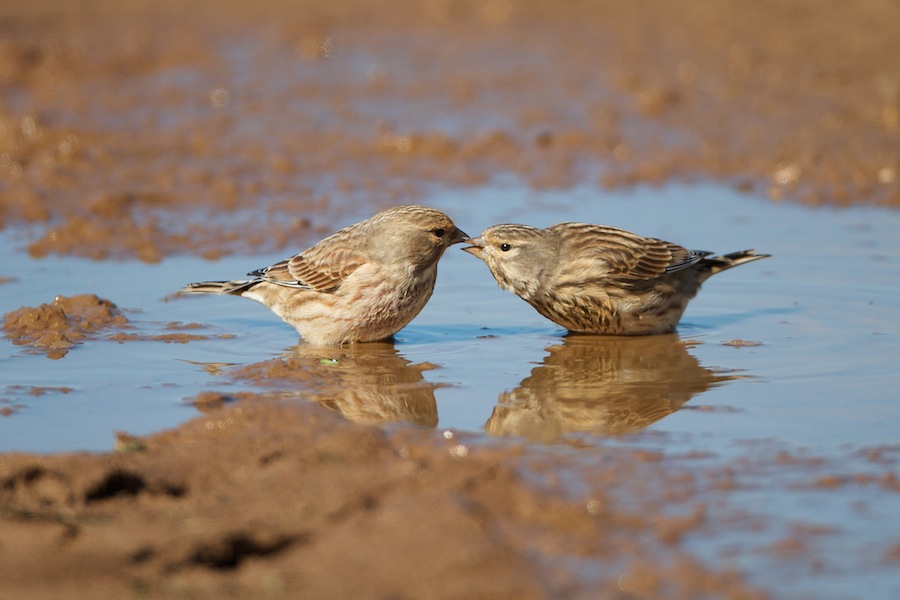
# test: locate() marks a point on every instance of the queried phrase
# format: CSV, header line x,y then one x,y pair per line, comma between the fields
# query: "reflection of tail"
x,y
236,288
716,264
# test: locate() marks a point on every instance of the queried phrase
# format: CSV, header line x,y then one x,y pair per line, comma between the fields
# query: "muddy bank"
x,y
277,500
286,499
155,129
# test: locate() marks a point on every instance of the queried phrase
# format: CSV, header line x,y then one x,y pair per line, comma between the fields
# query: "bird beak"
x,y
477,246
458,236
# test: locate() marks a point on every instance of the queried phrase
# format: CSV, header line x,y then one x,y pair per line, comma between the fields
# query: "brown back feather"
x,y
629,257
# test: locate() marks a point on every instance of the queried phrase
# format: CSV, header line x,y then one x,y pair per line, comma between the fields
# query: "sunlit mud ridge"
x,y
266,497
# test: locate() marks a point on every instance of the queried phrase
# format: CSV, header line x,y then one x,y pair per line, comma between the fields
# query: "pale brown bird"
x,y
361,284
599,279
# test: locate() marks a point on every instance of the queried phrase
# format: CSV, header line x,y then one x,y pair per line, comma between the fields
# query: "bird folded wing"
x,y
682,257
651,259
324,272
313,270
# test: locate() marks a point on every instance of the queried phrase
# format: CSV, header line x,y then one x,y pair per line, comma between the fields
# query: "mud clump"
x,y
58,326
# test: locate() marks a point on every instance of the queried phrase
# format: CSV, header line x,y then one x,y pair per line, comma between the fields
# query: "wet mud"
x,y
56,327
147,131
282,499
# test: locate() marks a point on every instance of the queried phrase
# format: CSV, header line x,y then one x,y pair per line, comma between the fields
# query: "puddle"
x,y
794,356
816,327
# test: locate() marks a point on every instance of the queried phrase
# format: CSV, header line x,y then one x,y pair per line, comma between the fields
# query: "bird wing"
x,y
651,257
317,269
627,256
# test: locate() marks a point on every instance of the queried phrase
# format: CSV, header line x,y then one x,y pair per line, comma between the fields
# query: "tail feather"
x,y
219,287
717,264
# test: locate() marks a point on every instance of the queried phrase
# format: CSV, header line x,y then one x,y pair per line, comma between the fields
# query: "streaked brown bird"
x,y
599,279
362,284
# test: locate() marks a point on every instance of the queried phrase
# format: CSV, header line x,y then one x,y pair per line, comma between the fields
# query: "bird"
x,y
599,279
363,283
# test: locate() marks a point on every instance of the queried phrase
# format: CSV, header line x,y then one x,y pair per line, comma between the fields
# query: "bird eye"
x,y
438,232
505,247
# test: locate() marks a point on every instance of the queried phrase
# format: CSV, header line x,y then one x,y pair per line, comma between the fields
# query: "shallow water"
x,y
823,312
814,373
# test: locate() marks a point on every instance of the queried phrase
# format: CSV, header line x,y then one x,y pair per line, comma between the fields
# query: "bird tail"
x,y
717,264
219,287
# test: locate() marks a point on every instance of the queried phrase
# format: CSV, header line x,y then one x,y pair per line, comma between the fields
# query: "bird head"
x,y
517,255
417,235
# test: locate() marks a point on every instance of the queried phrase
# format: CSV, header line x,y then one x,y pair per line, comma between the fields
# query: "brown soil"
x,y
266,499
146,129
57,327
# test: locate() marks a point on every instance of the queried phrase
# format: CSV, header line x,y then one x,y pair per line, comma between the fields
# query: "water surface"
x,y
794,356
821,316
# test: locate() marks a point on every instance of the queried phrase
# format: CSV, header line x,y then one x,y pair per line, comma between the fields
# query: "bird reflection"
x,y
367,383
609,385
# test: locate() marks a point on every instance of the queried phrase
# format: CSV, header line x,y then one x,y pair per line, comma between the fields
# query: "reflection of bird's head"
x,y
610,385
